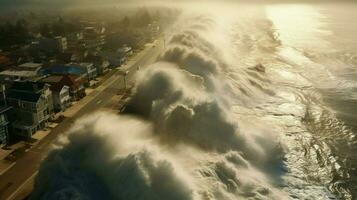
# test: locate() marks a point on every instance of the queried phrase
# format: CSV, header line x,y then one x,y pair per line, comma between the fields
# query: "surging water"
x,y
320,43
231,110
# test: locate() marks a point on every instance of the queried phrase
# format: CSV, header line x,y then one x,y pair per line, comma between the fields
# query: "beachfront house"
x,y
32,105
60,92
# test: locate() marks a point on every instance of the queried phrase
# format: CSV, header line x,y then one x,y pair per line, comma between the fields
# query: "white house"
x,y
90,69
61,98
118,57
60,93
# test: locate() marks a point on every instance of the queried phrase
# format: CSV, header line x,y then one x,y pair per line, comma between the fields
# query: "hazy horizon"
x,y
181,100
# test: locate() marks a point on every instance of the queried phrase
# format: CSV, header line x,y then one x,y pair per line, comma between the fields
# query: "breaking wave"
x,y
195,148
201,124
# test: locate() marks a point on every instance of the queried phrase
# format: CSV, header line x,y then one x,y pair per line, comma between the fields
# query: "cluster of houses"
x,y
46,76
33,94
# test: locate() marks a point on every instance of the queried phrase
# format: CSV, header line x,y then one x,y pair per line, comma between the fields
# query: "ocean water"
x,y
245,102
323,41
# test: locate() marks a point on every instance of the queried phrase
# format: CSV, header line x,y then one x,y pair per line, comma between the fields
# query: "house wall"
x,y
45,106
61,99
56,101
33,113
77,93
3,129
90,70
27,116
49,100
64,95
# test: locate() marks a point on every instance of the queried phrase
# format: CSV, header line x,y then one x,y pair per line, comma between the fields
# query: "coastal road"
x,y
26,167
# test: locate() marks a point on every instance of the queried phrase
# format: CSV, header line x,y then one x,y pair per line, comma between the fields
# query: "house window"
x,y
2,119
3,131
33,106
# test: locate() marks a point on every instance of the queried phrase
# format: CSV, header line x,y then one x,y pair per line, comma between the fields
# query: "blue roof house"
x,y
66,69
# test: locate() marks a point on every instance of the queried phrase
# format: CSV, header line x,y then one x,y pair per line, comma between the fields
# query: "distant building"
x,y
73,56
101,64
33,106
65,58
90,69
125,52
154,28
113,58
22,72
74,39
52,45
93,37
62,43
118,57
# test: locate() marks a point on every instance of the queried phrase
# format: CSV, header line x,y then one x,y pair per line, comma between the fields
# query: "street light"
x,y
164,41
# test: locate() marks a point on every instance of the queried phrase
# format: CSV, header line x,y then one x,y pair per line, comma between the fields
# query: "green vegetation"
x,y
14,34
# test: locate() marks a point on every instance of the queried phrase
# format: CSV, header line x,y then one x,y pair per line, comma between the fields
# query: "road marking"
x,y
13,195
42,145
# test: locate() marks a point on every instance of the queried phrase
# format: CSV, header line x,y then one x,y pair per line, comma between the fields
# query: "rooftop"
x,y
18,73
52,79
4,108
5,61
24,96
63,69
27,86
58,87
83,64
26,91
31,65
124,49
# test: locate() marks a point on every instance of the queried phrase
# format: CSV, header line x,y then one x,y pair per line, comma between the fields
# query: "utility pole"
x,y
125,81
124,74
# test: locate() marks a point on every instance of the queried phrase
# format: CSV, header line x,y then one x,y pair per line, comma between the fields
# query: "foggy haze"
x,y
227,100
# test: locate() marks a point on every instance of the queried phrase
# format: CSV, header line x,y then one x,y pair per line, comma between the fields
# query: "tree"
x,y
58,27
143,18
126,21
21,28
45,30
14,34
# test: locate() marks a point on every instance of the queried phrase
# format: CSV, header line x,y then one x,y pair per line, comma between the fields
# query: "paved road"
x,y
27,166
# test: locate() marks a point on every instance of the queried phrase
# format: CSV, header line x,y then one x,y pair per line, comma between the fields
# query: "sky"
x,y
14,2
